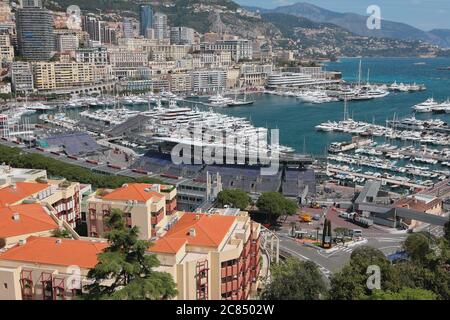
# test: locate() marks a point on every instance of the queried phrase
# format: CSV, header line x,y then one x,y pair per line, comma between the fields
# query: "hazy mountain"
x,y
356,23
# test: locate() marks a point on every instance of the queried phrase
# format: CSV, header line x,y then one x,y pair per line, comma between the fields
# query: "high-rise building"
x,y
160,26
128,28
35,36
181,35
145,19
22,77
92,26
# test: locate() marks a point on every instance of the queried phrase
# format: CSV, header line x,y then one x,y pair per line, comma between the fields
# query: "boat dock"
x,y
382,179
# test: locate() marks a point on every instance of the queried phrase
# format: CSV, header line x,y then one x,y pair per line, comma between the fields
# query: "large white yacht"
x,y
426,106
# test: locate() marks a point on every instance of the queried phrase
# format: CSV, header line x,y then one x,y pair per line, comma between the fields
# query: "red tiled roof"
x,y
31,218
47,250
133,191
210,231
20,191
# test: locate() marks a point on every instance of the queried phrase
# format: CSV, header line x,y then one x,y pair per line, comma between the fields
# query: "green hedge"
x,y
19,159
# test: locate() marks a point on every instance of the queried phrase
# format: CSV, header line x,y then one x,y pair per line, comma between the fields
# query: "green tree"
x,y
61,233
447,230
417,246
404,294
127,267
234,197
294,280
351,282
274,205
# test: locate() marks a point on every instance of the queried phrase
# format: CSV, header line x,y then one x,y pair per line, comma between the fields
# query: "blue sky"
x,y
424,14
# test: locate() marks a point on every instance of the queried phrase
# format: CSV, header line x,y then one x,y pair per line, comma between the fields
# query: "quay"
x,y
387,180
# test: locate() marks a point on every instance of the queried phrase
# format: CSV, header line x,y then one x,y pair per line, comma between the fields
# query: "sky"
x,y
423,14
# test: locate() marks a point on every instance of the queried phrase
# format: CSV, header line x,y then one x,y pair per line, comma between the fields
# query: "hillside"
x,y
330,40
356,24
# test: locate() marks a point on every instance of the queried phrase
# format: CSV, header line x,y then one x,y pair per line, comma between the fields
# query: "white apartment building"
x,y
239,49
207,81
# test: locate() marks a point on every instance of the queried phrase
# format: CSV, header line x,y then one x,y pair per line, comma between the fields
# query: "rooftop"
x,y
56,251
209,231
24,219
141,192
19,191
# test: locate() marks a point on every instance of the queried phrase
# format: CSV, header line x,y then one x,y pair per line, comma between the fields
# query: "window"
x,y
5,285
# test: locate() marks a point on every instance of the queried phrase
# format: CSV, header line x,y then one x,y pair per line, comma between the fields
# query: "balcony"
x,y
157,217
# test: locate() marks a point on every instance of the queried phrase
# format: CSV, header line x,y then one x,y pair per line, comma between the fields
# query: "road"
x,y
336,260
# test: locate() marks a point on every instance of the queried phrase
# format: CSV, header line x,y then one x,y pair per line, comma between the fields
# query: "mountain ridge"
x,y
356,24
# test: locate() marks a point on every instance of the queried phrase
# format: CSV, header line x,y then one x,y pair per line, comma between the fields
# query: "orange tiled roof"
x,y
46,250
210,231
133,191
21,191
32,218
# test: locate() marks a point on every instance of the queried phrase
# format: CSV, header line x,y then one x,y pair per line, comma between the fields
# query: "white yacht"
x,y
38,106
426,106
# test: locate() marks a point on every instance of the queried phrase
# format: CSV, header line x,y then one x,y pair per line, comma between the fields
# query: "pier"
x,y
382,179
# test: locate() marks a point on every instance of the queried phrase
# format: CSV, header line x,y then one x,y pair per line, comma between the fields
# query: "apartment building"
x,y
239,49
254,75
61,195
209,80
6,49
62,75
180,82
182,35
144,205
22,77
67,42
211,256
97,55
35,35
45,268
128,59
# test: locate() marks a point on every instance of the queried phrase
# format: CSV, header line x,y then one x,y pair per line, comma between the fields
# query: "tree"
x,y
61,233
234,197
127,268
274,205
447,230
294,280
351,282
417,246
404,294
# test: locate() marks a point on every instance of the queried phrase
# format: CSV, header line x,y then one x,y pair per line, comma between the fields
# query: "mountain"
x,y
356,24
442,33
321,39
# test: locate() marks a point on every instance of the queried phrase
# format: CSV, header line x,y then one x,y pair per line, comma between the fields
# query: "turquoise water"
x,y
296,120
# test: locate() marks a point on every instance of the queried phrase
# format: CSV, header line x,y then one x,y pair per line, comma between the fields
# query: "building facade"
x,y
35,33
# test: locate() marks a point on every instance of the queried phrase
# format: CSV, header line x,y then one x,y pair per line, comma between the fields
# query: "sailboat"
x,y
236,102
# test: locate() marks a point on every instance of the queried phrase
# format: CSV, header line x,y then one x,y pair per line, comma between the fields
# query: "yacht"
x,y
38,106
219,101
426,106
443,107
